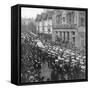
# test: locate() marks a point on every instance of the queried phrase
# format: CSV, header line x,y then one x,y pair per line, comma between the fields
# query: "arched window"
x,y
58,19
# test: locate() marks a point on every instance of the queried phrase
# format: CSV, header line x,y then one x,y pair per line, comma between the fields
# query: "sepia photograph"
x,y
53,45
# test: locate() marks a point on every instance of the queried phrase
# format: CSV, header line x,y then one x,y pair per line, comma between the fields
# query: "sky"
x,y
30,12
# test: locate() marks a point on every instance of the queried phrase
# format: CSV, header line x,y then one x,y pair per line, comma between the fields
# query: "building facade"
x,y
66,25
44,22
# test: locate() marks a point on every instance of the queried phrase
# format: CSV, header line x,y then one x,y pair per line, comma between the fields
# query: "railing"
x,y
65,26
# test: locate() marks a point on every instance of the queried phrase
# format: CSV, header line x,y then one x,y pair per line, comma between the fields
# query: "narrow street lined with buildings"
x,y
53,46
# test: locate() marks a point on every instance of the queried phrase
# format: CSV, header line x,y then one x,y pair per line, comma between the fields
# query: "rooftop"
x,y
45,15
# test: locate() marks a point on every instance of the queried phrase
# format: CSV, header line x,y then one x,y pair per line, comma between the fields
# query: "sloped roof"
x,y
50,14
44,16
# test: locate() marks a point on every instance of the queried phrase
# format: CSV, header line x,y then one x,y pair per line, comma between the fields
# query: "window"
x,y
43,28
63,19
69,18
48,30
56,32
38,28
73,39
73,33
58,19
81,21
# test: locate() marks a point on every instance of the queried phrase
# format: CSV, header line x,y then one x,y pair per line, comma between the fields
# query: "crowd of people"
x,y
50,62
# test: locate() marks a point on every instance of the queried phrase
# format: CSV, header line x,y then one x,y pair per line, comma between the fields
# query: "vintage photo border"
x,y
19,42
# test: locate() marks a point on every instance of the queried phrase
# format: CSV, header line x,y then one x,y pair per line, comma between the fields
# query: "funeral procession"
x,y
53,45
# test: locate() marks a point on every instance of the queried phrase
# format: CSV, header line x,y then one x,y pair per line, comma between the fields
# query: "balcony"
x,y
65,26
